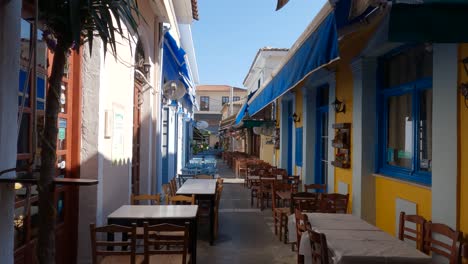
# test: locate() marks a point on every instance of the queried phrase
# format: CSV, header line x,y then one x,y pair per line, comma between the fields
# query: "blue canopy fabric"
x,y
175,67
244,108
318,50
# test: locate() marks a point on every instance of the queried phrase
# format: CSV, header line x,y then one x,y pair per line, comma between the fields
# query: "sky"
x,y
230,32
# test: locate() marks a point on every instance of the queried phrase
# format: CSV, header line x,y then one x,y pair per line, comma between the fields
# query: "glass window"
x,y
204,103
425,131
236,98
407,66
406,123
400,131
225,99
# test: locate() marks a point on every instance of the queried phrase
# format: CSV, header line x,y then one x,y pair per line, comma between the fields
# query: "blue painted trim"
x,y
299,144
413,174
290,141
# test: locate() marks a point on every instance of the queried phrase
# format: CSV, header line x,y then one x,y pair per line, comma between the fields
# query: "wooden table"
x,y
157,214
205,190
353,240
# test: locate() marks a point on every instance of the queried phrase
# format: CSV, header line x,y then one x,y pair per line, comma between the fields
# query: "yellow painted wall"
x,y
463,148
266,150
387,190
298,111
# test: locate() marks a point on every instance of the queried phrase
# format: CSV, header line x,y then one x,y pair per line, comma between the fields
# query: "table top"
x,y
353,240
155,211
284,195
198,186
323,221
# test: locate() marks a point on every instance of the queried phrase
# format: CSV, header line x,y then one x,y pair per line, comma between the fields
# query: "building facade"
x,y
111,122
211,100
382,118
263,68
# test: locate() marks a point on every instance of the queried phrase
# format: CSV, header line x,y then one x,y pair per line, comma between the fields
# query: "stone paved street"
x,y
245,233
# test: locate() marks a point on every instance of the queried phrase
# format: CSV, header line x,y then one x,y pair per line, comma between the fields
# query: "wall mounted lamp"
x,y
464,86
146,67
296,118
339,106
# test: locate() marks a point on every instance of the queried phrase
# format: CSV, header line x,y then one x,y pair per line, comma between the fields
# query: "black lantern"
x,y
296,118
339,106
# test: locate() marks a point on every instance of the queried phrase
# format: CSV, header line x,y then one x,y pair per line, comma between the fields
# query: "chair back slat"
x,y
319,247
167,192
407,233
109,248
182,199
153,199
175,243
442,240
334,203
301,224
305,202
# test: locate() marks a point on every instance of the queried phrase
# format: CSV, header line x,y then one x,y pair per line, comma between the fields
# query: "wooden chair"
x,y
173,185
182,200
167,192
414,234
167,249
203,176
464,252
319,247
152,199
302,221
334,203
280,214
305,202
295,182
219,181
322,188
100,248
432,244
265,191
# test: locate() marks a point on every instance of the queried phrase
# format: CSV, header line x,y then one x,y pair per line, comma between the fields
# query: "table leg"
x,y
194,241
212,217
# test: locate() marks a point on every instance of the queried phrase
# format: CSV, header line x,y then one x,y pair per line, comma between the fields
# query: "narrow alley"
x,y
246,234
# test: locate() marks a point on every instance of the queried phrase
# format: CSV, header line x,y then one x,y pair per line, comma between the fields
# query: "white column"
x,y
364,135
90,205
331,132
445,134
10,14
309,129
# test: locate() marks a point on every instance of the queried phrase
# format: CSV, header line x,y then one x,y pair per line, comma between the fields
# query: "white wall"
x,y
10,14
444,134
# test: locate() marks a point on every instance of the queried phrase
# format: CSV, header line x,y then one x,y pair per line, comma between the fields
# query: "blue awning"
x,y
318,50
175,67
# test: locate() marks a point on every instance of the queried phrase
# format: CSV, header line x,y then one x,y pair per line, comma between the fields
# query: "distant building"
x,y
264,66
211,99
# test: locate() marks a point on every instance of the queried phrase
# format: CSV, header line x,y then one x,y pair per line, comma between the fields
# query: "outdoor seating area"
x,y
161,228
320,228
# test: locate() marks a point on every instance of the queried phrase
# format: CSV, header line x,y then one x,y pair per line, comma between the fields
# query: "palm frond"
x,y
73,21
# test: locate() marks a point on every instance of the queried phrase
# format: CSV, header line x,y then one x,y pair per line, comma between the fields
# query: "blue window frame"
x,y
405,121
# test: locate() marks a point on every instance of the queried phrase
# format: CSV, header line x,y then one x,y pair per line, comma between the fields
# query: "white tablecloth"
x,y
353,241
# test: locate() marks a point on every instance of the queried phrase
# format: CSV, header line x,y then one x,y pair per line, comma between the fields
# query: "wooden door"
x,y
68,145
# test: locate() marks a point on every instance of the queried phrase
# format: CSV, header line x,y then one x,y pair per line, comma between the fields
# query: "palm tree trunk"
x,y
47,212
